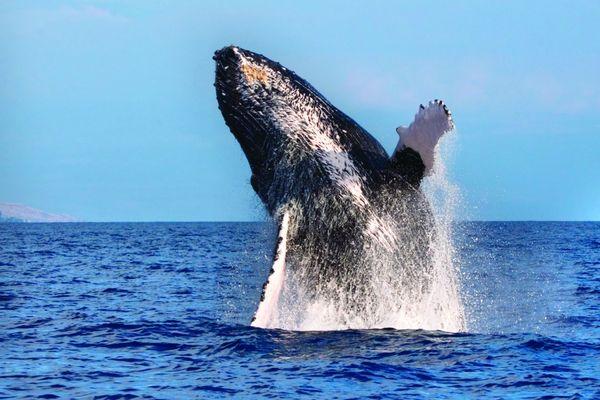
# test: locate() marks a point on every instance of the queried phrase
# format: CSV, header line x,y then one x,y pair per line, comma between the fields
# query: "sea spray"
x,y
444,300
411,285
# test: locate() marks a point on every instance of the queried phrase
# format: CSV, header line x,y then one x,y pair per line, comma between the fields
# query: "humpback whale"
x,y
343,206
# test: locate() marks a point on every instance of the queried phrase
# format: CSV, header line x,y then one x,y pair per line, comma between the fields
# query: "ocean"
x,y
162,310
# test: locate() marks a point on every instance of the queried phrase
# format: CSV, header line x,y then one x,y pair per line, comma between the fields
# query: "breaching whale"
x,y
342,204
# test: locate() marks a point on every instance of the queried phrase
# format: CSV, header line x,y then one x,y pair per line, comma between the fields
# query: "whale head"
x,y
260,100
284,124
253,81
264,105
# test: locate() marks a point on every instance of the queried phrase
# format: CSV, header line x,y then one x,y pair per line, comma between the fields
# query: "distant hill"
x,y
18,213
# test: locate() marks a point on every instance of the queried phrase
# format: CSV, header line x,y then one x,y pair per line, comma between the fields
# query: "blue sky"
x,y
107,109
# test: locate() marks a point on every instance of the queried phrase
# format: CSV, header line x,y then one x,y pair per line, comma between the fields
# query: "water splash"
x,y
444,308
410,285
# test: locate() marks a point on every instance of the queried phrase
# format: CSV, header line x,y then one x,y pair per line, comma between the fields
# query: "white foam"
x,y
406,296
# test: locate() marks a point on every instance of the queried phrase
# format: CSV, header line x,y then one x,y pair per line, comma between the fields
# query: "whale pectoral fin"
x,y
414,154
267,311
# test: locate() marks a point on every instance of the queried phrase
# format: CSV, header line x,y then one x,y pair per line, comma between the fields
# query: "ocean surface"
x,y
162,310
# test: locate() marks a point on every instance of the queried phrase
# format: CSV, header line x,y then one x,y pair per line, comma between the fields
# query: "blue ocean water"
x,y
161,310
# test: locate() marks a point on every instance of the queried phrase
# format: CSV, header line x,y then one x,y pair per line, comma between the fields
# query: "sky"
x,y
108,111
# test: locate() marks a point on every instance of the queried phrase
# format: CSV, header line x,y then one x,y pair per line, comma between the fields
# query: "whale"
x,y
343,206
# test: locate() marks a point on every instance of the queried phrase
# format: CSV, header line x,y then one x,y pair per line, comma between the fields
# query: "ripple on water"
x,y
117,311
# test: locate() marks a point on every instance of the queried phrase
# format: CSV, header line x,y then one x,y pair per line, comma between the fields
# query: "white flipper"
x,y
423,134
267,312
